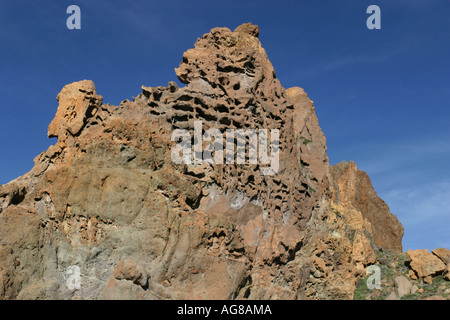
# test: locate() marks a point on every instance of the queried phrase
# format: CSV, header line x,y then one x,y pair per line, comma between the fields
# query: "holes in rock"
x,y
91,111
90,124
201,103
194,203
274,117
225,121
218,234
247,293
249,65
157,96
200,175
237,124
205,116
184,97
224,81
181,118
277,182
230,68
183,107
18,196
223,109
153,105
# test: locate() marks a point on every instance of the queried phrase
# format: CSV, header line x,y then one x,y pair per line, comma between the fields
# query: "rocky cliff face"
x,y
365,211
108,199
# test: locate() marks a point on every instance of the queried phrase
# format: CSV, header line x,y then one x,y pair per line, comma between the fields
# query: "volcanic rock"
x,y
108,198
425,264
403,286
444,255
354,194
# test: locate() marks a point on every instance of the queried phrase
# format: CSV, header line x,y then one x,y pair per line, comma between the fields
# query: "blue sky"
x,y
381,96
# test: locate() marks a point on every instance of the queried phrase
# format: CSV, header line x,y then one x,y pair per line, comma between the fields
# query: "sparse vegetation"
x,y
393,265
305,140
362,291
411,296
311,189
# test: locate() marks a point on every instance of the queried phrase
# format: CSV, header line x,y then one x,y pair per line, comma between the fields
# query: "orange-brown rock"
x,y
425,264
77,103
444,255
108,199
356,198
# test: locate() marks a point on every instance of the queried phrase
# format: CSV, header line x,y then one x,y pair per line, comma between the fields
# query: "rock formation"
x,y
365,211
108,199
425,265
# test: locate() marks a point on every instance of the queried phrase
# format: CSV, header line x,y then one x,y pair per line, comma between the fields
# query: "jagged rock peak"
x,y
222,50
78,101
248,28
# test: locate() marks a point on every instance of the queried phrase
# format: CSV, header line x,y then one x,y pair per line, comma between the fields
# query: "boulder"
x,y
424,263
414,289
444,255
403,286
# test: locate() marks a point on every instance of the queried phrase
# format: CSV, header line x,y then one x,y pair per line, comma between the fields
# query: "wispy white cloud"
x,y
424,211
347,61
331,65
394,155
343,62
423,202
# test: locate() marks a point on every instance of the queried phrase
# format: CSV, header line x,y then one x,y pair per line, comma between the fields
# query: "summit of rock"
x,y
78,101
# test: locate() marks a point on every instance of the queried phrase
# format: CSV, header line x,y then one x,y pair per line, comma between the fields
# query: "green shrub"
x,y
305,141
361,289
